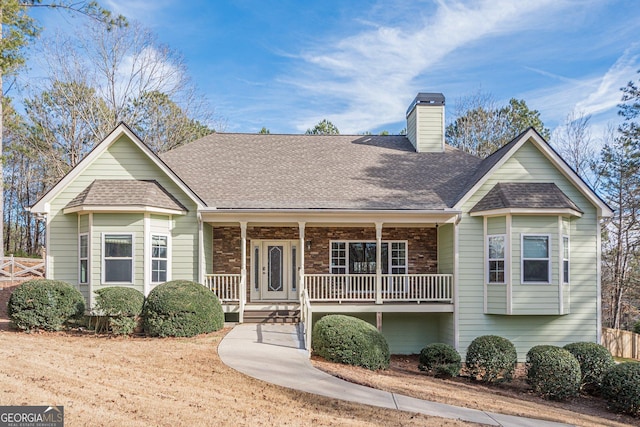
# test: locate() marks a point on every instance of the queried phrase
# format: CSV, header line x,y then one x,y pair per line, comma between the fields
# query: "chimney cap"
x,y
428,98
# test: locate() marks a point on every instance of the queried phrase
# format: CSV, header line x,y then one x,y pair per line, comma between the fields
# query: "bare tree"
x,y
574,143
135,76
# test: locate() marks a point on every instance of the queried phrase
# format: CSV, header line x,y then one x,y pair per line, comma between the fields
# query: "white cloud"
x,y
378,67
607,94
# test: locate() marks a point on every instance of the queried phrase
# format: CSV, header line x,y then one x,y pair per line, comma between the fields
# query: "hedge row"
x,y
177,308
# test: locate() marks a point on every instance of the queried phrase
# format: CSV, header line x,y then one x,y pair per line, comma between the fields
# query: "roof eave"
x,y
528,211
122,209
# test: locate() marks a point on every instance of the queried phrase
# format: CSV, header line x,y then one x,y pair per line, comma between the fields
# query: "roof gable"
x,y
501,156
122,130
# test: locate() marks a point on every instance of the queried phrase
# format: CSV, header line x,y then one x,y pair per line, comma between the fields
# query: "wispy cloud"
x,y
607,94
378,67
595,95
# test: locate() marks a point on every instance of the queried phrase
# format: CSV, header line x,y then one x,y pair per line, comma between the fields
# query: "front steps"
x,y
272,313
276,316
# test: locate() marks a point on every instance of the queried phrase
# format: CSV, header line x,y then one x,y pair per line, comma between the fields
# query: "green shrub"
x,y
440,359
352,341
621,388
182,309
491,358
44,304
636,327
553,372
595,361
122,306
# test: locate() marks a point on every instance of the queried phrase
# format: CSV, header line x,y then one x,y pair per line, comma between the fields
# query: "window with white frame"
x,y
360,257
496,258
565,259
83,249
117,258
536,262
159,258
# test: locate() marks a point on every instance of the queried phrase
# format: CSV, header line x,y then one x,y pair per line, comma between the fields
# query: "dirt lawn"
x,y
109,381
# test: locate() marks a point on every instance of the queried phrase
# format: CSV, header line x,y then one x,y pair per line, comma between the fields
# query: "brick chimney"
x,y
425,123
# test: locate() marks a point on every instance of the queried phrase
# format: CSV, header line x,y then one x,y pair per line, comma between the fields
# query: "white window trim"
x,y
133,258
81,258
389,260
568,259
548,259
503,259
151,257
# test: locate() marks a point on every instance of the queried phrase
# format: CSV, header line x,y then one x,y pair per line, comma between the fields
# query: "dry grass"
x,y
166,382
163,382
404,377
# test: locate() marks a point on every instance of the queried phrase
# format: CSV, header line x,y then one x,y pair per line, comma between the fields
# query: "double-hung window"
x,y
159,258
360,257
536,262
117,258
83,247
565,259
496,258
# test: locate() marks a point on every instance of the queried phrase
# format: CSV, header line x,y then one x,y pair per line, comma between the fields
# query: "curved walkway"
x,y
274,353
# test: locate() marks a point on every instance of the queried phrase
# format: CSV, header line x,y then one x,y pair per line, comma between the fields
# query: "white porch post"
x,y
378,263
243,269
201,254
301,226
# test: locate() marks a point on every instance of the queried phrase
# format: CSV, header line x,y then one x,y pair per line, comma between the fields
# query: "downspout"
x,y
598,282
456,265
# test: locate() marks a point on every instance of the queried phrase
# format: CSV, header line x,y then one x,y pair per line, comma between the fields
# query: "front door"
x,y
276,268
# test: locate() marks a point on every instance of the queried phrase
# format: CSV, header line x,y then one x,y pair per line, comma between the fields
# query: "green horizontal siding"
x,y
122,160
546,327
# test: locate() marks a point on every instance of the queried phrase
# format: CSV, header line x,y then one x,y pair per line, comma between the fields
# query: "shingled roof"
x,y
527,195
256,171
125,192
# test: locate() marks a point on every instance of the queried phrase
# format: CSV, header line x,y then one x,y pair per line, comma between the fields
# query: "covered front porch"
x,y
332,262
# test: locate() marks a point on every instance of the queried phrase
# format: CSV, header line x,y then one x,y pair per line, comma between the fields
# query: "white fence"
x,y
13,268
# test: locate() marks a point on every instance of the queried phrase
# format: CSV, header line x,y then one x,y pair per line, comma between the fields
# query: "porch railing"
x,y
417,287
394,287
225,286
341,287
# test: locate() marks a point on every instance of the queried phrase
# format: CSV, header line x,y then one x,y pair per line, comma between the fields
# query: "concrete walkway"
x,y
274,353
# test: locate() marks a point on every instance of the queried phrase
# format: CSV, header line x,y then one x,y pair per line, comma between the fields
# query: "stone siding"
x,y
422,245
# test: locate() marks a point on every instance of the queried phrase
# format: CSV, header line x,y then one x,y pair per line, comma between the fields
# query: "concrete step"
x,y
272,316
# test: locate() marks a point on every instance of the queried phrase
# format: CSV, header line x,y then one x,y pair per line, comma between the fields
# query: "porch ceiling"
x,y
288,217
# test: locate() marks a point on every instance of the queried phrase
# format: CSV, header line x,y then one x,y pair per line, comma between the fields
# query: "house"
x,y
427,242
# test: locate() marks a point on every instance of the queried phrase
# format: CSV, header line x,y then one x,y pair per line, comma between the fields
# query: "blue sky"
x,y
288,64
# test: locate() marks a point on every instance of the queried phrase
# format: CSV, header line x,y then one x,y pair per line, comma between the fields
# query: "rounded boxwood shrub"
x,y
553,372
595,361
122,306
181,308
352,341
621,388
491,358
44,304
440,359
